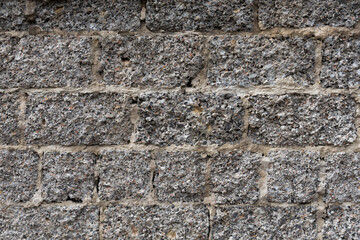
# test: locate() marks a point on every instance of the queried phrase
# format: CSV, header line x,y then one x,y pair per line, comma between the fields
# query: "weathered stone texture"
x,y
195,118
302,119
264,223
124,175
199,15
342,182
251,61
89,15
9,118
341,63
293,176
78,118
43,223
68,176
12,15
18,175
310,13
180,177
156,61
234,177
155,222
45,61
342,222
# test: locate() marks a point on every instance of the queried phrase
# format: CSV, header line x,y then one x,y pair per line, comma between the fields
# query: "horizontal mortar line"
x,y
254,90
319,32
245,146
180,204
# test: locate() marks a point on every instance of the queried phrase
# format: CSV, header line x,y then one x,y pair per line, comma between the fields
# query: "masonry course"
x,y
132,119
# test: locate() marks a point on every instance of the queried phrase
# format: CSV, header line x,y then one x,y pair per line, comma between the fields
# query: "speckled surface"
x,y
195,119
310,13
78,118
302,119
12,15
124,175
155,222
9,118
199,15
180,176
43,223
47,61
342,182
18,175
293,176
151,61
252,61
234,177
340,63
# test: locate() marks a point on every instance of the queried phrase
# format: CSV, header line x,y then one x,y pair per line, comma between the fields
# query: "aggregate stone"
x,y
9,118
340,63
293,176
89,15
151,61
124,175
68,176
18,175
310,13
264,223
189,118
342,182
78,118
43,223
302,119
180,176
45,61
199,15
234,177
251,61
156,222
12,15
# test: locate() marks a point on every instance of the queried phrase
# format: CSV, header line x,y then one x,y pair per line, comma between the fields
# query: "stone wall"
x,y
179,119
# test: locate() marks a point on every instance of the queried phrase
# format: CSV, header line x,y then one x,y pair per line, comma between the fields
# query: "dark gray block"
x,y
124,175
195,119
9,118
252,61
302,119
78,118
234,177
12,15
156,222
18,175
151,61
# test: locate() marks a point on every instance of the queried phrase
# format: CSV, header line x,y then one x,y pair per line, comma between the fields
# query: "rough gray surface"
x,y
264,223
195,119
234,177
12,15
251,61
310,13
199,15
342,222
18,175
156,222
342,182
341,63
9,117
151,61
44,223
293,176
50,61
78,118
302,119
68,176
89,15
180,176
124,175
